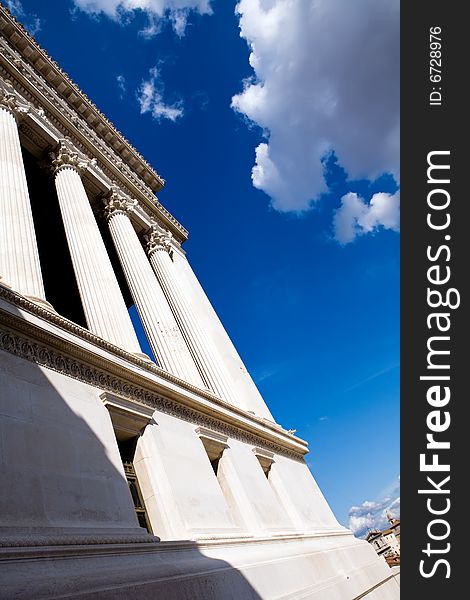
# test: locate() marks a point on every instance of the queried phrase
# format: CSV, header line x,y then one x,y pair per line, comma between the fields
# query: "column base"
x,y
144,357
315,568
4,283
41,302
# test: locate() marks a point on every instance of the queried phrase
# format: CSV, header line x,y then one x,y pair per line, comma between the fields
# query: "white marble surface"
x,y
244,389
163,334
105,311
203,349
19,258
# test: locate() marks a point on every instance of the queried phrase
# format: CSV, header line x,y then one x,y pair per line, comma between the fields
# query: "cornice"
x,y
69,547
37,57
39,132
73,358
41,81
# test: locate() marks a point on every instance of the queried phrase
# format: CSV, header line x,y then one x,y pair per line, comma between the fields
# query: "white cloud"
x,y
177,11
150,97
373,514
31,22
15,7
326,77
356,217
35,25
121,81
265,373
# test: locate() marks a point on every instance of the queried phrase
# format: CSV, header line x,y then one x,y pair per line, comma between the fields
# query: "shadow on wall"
x,y
63,486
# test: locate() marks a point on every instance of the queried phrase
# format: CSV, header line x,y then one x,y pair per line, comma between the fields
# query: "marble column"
x,y
20,268
248,396
104,307
164,336
203,350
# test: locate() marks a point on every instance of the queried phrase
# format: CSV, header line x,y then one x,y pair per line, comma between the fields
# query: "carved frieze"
x,y
78,368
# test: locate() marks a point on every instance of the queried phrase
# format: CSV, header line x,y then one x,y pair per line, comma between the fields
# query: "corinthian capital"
x,y
116,202
158,239
66,155
11,100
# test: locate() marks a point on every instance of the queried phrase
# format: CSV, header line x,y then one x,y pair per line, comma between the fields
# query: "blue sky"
x,y
275,128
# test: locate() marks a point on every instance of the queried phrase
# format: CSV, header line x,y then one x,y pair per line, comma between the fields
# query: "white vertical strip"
x,y
248,396
19,258
162,331
203,350
104,307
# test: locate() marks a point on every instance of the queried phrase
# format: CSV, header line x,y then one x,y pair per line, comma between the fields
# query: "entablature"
x,y
42,336
59,109
41,137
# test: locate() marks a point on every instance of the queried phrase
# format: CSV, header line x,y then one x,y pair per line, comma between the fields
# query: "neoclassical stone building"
x,y
124,477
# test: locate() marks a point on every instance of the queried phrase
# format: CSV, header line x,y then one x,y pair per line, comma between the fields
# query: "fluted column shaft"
x,y
164,336
104,307
19,258
203,350
248,396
